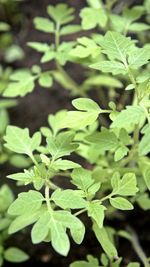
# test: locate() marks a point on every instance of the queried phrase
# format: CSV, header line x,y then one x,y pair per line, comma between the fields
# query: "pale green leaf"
x,y
19,141
113,67
103,238
82,178
15,255
59,238
44,24
96,212
26,202
127,186
121,203
130,116
68,199
41,228
70,29
92,17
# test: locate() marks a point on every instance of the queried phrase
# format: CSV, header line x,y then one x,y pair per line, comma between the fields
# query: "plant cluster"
x,y
110,136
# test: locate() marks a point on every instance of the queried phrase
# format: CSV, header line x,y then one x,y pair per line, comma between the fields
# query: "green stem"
x,y
33,159
80,212
76,89
47,197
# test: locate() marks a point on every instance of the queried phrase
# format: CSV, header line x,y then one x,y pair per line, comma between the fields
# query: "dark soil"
x,y
32,112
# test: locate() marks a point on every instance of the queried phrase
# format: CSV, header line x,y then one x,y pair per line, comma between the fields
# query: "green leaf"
x,y
59,238
22,82
138,27
41,228
44,24
40,47
85,104
147,177
103,238
19,141
144,145
26,202
6,198
110,66
68,199
103,80
121,203
70,29
62,145
55,121
80,119
86,47
120,153
60,13
15,255
130,116
64,165
127,186
78,234
92,17
139,57
96,212
105,140
24,220
45,80
116,46
82,178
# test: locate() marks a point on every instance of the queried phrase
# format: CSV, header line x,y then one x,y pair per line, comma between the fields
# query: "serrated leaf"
x,y
110,66
80,119
105,140
24,220
62,145
91,17
86,47
82,178
121,203
22,82
68,199
139,57
19,141
130,116
116,46
61,13
127,186
26,202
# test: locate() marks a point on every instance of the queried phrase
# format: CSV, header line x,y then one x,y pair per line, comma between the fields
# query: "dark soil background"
x,y
32,112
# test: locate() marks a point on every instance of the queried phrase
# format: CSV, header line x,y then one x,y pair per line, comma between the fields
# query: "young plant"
x,y
111,138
